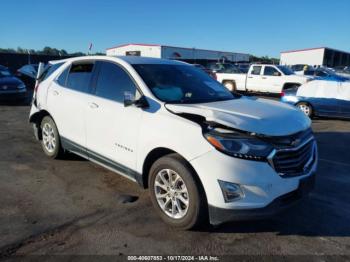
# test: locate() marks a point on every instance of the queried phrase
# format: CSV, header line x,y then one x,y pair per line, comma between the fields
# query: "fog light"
x,y
231,191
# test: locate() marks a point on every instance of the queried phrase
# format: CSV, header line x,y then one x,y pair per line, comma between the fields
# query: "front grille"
x,y
295,161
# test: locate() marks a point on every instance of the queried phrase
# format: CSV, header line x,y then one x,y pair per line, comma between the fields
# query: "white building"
x,y
180,53
321,56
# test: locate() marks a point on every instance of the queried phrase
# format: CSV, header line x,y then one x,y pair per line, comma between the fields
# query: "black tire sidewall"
x,y
193,217
57,150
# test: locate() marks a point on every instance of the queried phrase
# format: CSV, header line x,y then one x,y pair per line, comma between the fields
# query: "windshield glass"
x,y
181,84
4,72
286,70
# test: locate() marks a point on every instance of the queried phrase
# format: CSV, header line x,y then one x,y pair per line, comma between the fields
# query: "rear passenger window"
x,y
61,80
79,76
256,70
113,82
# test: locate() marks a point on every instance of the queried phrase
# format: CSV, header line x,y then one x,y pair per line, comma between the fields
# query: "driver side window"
x,y
113,82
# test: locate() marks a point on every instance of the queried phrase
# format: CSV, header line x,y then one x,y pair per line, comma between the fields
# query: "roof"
x,y
148,60
129,59
314,48
158,45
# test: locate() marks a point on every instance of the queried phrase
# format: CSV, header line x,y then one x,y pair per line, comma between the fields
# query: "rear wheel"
x,y
175,194
305,108
230,85
50,139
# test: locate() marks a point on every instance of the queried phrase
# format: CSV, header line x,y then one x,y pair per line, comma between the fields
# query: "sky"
x,y
258,27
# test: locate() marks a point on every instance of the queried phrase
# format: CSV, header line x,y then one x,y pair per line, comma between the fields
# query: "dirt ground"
x,y
75,207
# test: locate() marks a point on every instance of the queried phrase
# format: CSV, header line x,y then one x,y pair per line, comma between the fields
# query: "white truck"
x,y
261,78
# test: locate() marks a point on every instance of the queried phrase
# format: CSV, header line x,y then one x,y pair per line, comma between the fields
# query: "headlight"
x,y
239,145
21,86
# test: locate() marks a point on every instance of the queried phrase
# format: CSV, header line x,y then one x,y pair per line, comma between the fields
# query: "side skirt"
x,y
102,161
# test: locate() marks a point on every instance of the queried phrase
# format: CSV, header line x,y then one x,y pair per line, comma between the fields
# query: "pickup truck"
x,y
261,78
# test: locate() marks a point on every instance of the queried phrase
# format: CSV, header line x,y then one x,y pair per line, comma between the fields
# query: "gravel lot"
x,y
73,206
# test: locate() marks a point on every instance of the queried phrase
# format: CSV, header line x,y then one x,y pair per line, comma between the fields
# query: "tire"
x,y
50,138
184,189
306,108
230,85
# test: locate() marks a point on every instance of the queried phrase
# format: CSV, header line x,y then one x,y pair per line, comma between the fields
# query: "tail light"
x,y
282,94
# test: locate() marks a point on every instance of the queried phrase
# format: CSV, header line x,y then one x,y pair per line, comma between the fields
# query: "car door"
x,y
66,102
113,129
271,80
344,98
326,100
253,82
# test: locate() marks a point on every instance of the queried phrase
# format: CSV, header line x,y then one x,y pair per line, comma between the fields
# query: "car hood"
x,y
256,115
10,80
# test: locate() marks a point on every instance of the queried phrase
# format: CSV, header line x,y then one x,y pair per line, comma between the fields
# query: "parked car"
x,y
343,71
262,78
209,72
324,72
201,150
11,88
328,97
300,68
27,74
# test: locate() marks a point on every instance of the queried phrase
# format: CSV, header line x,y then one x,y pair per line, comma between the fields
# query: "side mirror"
x,y
277,74
129,99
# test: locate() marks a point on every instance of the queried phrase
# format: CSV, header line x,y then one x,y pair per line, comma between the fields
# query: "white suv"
x,y
202,151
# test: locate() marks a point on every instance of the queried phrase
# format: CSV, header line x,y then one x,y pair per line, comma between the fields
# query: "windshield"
x,y
181,84
286,70
4,72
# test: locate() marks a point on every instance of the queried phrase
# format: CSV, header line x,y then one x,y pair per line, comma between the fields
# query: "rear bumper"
x,y
220,215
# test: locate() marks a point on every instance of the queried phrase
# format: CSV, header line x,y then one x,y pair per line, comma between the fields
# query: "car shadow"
x,y
326,211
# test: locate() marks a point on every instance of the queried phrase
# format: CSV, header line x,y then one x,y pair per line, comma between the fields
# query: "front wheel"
x,y
305,108
175,193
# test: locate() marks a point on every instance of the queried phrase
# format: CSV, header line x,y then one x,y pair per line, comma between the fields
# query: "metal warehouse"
x,y
321,56
192,55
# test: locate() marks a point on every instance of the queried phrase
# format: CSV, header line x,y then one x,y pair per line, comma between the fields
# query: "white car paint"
x,y
260,82
126,135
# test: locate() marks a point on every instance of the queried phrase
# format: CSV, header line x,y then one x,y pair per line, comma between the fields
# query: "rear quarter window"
x,y
49,70
79,76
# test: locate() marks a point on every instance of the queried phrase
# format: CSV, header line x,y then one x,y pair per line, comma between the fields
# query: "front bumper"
x,y
265,191
220,215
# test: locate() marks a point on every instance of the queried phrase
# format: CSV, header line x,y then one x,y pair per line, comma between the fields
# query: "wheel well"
x,y
232,81
157,153
152,157
290,85
37,118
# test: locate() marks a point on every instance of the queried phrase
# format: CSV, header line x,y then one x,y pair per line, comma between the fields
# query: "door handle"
x,y
93,105
250,77
55,93
264,77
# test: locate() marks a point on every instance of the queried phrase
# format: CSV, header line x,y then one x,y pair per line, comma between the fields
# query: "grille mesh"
x,y
293,162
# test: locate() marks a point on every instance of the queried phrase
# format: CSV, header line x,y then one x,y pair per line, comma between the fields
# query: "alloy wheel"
x,y
49,139
171,193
